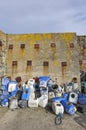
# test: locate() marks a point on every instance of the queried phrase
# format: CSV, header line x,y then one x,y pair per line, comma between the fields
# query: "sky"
x,y
43,16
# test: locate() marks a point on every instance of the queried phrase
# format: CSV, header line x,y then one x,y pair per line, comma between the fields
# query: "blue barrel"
x,y
68,107
82,99
26,94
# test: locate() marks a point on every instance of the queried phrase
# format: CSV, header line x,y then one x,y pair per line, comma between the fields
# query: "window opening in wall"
x,y
84,46
45,63
14,63
53,45
64,64
64,67
80,62
0,43
46,68
11,46
29,63
36,46
22,46
72,45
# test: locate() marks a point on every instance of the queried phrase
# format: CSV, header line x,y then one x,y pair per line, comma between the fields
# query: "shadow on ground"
x,y
81,116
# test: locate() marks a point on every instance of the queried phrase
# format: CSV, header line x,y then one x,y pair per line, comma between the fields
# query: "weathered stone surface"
x,y
64,49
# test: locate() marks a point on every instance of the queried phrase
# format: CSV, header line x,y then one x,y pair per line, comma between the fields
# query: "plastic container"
x,y
73,97
65,95
13,104
44,91
4,102
82,99
13,93
33,103
58,99
69,107
57,108
26,94
43,101
23,103
51,95
5,82
32,96
31,82
12,86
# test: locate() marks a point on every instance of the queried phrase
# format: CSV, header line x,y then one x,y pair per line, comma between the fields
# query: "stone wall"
x,y
81,40
3,50
52,54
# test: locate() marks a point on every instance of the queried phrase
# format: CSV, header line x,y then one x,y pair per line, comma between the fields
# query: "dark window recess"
x,y
22,46
45,63
29,63
80,62
0,43
64,63
53,45
71,45
36,46
14,63
10,46
84,46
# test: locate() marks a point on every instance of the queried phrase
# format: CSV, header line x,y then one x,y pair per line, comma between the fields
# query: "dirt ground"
x,y
39,119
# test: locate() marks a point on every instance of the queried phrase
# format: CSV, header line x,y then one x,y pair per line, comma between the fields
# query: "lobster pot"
x,y
31,82
51,95
44,91
13,104
57,108
12,86
68,107
82,99
33,103
43,101
73,97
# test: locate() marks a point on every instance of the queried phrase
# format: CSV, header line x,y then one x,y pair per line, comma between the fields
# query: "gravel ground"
x,y
39,119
